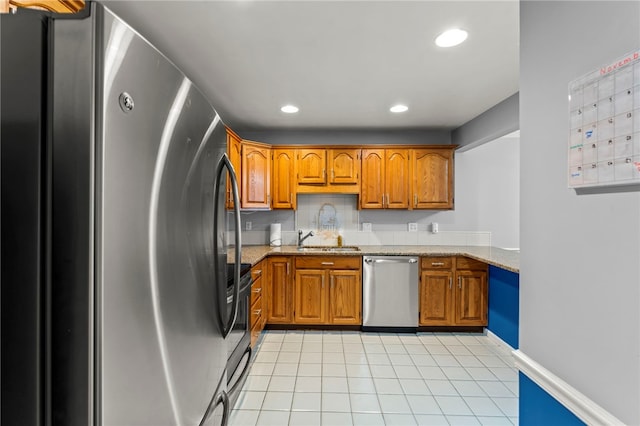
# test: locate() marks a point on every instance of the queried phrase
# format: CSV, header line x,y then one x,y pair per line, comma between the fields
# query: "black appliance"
x,y
239,339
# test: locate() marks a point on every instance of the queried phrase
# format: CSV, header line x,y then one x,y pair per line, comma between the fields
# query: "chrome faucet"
x,y
301,238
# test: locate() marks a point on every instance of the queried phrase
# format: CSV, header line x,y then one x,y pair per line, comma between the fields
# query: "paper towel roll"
x,y
275,239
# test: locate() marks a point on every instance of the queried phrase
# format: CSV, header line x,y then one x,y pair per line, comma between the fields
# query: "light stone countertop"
x,y
505,259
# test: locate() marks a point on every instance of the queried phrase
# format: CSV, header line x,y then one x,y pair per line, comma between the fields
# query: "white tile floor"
x,y
310,378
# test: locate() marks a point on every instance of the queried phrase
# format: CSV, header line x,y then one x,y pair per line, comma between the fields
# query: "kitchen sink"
x,y
329,249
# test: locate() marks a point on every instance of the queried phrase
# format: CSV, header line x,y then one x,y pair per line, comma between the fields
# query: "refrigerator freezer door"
x,y
162,353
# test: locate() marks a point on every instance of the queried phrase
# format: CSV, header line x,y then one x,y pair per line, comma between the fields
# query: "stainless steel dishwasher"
x,y
390,293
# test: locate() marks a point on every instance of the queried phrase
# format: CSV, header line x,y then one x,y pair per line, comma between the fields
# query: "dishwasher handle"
x,y
399,260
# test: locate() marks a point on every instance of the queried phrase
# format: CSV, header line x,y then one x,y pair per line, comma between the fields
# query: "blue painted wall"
x,y
504,299
537,407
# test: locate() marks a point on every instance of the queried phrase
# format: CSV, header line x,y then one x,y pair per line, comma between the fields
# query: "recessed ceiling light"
x,y
451,37
289,109
399,108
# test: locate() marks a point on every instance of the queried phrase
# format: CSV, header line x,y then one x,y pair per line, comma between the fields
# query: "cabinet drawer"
x,y
256,290
470,264
256,312
256,272
256,329
329,262
437,262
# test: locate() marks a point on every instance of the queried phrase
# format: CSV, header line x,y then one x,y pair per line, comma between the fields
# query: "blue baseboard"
x,y
504,308
537,407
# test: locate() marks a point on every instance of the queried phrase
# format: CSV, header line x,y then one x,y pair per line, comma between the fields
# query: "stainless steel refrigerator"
x,y
132,307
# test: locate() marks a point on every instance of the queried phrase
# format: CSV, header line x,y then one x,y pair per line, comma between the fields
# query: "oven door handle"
x,y
224,162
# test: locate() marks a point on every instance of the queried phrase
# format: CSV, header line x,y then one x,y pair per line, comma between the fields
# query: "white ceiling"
x,y
344,63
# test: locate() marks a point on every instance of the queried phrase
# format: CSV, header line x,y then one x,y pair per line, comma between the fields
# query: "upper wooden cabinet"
x,y
57,6
256,174
432,178
234,151
385,179
312,166
328,170
283,172
344,166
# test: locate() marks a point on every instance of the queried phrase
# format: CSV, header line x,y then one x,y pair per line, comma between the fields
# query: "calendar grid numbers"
x,y
604,125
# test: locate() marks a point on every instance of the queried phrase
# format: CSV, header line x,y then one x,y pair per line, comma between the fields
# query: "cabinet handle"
x,y
459,282
326,263
415,200
332,281
450,282
437,263
287,268
257,312
290,198
257,290
323,281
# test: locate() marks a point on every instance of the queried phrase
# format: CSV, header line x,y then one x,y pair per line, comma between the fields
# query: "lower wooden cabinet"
x,y
328,290
453,292
345,297
279,290
257,316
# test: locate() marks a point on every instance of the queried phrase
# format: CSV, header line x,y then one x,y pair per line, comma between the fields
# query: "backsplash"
x,y
329,215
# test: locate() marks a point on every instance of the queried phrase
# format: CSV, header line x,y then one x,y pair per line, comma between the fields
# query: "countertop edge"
x,y
501,258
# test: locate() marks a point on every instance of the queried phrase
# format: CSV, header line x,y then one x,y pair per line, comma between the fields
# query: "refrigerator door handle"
x,y
224,162
221,398
245,370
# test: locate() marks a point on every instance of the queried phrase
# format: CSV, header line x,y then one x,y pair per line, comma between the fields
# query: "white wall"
x,y
488,176
580,253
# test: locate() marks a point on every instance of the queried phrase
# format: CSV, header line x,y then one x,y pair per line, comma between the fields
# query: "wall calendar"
x,y
604,116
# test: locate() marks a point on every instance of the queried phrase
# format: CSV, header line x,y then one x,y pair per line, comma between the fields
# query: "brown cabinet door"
x,y
310,297
436,288
256,170
312,166
433,178
471,298
235,153
345,297
372,186
396,179
283,179
279,292
344,166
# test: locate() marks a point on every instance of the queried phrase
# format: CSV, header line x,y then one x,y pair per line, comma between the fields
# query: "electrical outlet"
x,y
366,227
247,226
413,227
